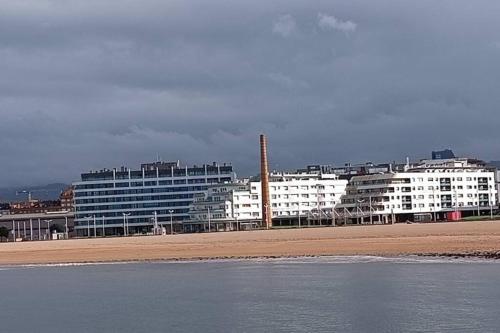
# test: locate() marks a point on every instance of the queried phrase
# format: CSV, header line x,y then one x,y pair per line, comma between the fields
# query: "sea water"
x,y
331,294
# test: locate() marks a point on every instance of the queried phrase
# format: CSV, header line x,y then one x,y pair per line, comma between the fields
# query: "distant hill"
x,y
496,164
44,192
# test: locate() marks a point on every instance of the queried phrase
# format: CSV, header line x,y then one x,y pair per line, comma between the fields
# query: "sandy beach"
x,y
383,240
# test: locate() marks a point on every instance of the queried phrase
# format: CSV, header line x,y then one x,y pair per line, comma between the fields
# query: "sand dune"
x,y
385,240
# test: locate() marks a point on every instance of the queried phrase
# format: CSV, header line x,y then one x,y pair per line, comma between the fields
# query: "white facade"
x,y
430,188
291,195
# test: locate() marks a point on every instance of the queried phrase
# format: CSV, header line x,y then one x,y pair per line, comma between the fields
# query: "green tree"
x,y
4,233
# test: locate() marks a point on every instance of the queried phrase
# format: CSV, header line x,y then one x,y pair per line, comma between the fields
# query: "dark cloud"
x,y
92,84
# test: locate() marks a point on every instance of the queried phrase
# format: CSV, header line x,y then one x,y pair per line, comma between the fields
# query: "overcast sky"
x,y
93,83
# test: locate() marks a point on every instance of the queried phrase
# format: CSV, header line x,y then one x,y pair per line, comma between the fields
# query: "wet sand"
x,y
463,238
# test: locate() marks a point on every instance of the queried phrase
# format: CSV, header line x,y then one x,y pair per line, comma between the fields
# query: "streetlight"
x,y
95,230
298,211
65,225
125,223
48,227
434,202
155,223
266,210
88,226
171,222
318,205
208,209
103,226
371,212
359,209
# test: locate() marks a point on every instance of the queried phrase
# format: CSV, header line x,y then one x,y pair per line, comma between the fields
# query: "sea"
x,y
327,294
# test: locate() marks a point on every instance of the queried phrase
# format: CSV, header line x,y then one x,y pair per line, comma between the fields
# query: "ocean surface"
x,y
332,294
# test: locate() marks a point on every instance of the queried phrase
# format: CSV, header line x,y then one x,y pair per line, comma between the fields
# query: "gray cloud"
x,y
93,84
284,25
330,22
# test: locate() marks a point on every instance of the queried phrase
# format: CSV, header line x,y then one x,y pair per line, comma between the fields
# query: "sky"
x,y
94,84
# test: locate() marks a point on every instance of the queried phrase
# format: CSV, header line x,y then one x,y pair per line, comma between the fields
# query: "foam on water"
x,y
358,259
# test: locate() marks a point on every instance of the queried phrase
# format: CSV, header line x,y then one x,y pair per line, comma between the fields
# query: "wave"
x,y
357,259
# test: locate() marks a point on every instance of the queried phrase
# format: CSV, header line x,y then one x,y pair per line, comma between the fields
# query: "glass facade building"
x,y
108,200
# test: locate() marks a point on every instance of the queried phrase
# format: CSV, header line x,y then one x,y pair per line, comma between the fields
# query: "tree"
x,y
4,233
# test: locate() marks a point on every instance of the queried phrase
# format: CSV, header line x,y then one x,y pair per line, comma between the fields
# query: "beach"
x,y
449,239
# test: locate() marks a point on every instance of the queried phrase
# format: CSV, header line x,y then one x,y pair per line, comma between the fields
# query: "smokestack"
x,y
264,181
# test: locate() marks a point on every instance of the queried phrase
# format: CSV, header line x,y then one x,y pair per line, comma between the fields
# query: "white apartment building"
x,y
428,191
293,195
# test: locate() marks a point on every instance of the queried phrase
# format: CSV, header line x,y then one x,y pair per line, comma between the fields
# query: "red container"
x,y
454,216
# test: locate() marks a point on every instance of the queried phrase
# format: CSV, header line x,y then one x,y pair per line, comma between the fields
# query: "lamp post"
x,y
155,221
318,204
95,229
434,202
103,226
456,201
371,210
125,223
171,222
266,206
359,210
491,204
208,210
48,227
478,202
88,226
66,227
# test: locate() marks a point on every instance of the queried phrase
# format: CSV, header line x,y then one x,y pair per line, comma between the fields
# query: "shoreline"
x,y
446,240
342,259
